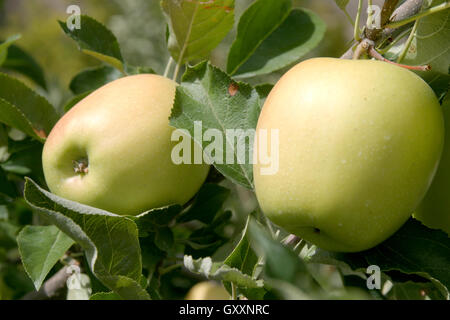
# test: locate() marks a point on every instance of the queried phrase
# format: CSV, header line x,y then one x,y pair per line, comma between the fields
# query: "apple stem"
x,y
362,48
81,166
375,54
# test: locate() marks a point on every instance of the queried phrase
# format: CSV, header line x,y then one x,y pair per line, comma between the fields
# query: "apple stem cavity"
x,y
81,166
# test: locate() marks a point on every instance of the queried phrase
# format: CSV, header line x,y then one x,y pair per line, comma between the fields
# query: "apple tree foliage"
x,y
159,254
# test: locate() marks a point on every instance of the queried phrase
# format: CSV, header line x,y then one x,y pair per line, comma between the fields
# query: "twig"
x,y
400,23
358,16
175,74
407,9
388,8
408,43
168,66
392,43
362,48
373,53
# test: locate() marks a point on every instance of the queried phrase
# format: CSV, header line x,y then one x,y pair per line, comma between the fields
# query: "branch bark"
x,y
388,8
407,9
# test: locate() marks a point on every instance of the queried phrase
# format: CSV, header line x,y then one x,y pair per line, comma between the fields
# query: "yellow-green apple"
x,y
359,144
112,150
207,290
434,210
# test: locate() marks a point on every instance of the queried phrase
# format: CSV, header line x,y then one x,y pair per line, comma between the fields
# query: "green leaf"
x,y
4,154
281,263
299,33
105,296
210,97
40,248
259,21
93,78
23,109
5,45
130,70
430,45
7,190
431,42
74,100
206,240
196,27
414,291
20,61
244,258
414,249
220,271
342,4
208,201
164,238
151,220
96,40
110,241
264,90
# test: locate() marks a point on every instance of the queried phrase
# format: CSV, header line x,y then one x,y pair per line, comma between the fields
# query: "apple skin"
x,y
207,290
434,210
359,144
123,130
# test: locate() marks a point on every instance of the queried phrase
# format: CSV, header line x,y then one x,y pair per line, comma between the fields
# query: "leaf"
x,y
104,296
131,70
281,263
93,78
263,90
208,201
431,42
74,100
23,109
5,45
430,45
244,258
20,61
219,271
196,27
414,249
110,241
206,240
40,248
204,98
260,20
7,189
342,4
414,291
299,33
151,220
96,40
164,239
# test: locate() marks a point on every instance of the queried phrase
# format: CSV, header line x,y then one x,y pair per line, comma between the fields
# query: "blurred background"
x,y
139,26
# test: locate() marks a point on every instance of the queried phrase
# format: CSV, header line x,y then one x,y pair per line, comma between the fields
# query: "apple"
x,y
207,290
434,210
359,144
112,150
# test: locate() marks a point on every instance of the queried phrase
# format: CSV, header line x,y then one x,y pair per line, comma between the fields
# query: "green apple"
x,y
207,290
434,210
359,144
112,150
